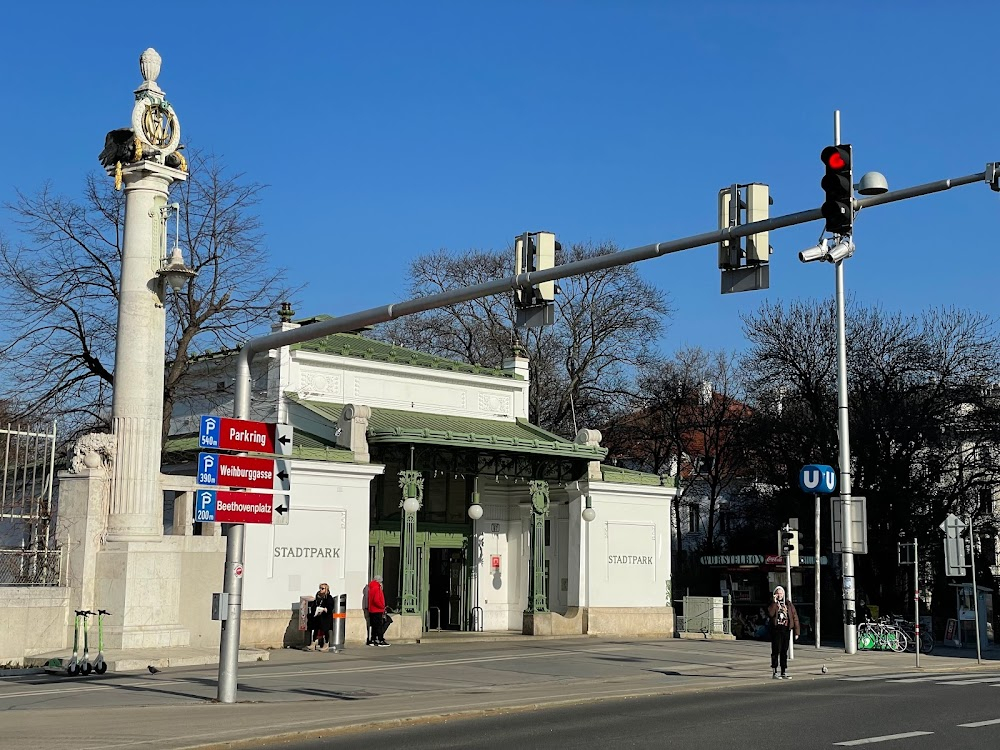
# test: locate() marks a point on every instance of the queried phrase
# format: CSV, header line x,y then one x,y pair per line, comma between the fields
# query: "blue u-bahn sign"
x,y
818,479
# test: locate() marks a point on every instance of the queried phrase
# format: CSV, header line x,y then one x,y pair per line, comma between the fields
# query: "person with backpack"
x,y
376,612
784,622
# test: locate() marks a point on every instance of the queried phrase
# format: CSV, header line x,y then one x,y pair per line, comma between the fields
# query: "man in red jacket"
x,y
376,611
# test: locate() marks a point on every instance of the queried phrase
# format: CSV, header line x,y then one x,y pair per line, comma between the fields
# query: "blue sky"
x,y
387,130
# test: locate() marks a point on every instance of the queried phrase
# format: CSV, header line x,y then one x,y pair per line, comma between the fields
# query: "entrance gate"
x,y
443,575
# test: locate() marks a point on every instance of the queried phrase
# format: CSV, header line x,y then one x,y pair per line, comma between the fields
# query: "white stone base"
x,y
158,592
643,621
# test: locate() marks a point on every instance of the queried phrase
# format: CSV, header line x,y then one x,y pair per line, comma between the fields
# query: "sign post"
x,y
235,509
816,479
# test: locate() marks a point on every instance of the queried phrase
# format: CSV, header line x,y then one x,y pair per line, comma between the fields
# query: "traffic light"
x,y
758,200
535,251
788,544
838,209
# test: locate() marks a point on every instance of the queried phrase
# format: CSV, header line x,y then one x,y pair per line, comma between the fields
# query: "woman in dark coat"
x,y
321,619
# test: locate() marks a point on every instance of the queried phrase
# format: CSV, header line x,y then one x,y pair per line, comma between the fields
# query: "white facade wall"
x,y
351,380
629,547
325,541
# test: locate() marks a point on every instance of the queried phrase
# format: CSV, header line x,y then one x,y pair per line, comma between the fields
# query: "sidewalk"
x,y
311,694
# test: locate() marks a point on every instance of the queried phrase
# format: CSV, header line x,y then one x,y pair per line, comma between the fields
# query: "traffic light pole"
x,y
229,649
844,450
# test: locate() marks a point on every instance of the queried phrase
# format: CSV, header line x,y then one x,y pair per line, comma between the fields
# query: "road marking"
x,y
971,682
975,724
931,678
883,738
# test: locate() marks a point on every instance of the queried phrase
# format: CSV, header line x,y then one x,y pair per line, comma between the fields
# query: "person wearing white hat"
x,y
784,622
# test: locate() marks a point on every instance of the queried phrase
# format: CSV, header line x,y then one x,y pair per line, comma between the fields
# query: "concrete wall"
x,y
203,563
33,620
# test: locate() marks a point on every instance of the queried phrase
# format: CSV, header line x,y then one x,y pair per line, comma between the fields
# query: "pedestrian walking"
x,y
784,621
321,619
376,612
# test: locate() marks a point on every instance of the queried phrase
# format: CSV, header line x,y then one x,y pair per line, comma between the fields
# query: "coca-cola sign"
x,y
774,560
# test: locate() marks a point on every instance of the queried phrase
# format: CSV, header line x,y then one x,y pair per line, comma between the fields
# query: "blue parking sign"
x,y
204,505
208,468
208,433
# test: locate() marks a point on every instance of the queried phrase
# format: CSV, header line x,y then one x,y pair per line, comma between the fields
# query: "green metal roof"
x,y
397,426
355,345
630,476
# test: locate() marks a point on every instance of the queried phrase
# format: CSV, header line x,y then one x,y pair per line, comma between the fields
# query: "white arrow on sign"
x,y
952,524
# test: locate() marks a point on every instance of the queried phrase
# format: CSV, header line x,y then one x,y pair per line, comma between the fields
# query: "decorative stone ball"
x,y
91,459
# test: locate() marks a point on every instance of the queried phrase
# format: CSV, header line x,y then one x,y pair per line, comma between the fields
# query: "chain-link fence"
x,y
30,567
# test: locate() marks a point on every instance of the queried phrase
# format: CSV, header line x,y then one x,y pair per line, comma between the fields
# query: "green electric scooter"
x,y
100,666
73,668
85,665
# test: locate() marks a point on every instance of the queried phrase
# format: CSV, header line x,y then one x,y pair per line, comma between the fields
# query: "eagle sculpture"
x,y
122,147
119,148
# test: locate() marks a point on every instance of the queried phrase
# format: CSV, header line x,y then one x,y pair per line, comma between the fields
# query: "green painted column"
x,y
412,484
537,599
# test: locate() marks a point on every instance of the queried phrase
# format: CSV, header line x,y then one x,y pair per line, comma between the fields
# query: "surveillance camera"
x,y
843,249
819,252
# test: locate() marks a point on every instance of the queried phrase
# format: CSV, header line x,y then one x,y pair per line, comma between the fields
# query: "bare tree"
x,y
923,414
606,324
688,419
62,293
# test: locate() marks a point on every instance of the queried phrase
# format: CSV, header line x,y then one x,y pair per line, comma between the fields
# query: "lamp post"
x,y
140,163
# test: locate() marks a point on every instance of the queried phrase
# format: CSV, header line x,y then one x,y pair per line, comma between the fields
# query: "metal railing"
x,y
27,458
715,617
30,567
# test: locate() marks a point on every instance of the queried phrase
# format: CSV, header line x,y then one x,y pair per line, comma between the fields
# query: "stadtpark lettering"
x,y
328,552
629,560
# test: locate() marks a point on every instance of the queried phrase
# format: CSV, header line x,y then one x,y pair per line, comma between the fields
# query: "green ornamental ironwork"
x,y
538,601
412,484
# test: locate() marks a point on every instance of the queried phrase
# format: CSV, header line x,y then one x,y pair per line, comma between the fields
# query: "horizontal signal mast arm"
x,y
384,313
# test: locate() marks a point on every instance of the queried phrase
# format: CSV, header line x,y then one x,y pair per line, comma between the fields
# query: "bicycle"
x,y
881,636
926,638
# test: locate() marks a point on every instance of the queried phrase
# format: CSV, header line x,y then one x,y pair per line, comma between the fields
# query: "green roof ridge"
x,y
631,476
350,344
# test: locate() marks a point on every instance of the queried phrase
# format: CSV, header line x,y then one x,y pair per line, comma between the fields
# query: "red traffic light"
x,y
837,158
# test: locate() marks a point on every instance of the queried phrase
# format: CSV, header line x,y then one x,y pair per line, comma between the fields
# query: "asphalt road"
x,y
920,714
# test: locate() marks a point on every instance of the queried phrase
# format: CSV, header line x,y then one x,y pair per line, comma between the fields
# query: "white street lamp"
x,y
589,514
175,273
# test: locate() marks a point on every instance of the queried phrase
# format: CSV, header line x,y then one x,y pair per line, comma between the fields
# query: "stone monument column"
x,y
136,511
